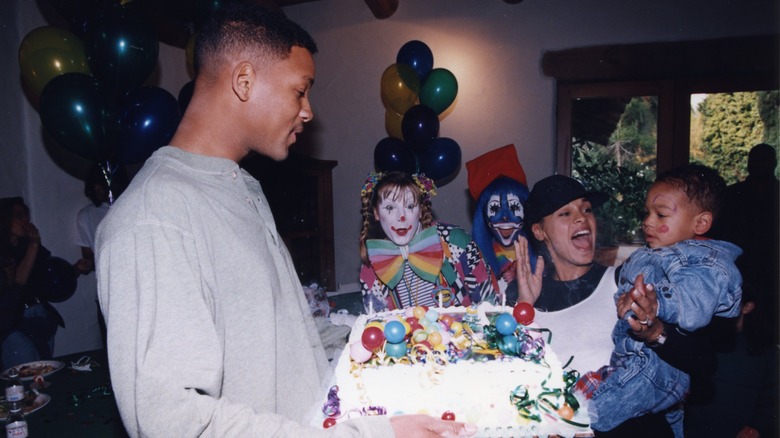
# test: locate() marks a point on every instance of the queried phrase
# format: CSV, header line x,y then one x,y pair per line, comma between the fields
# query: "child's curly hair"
x,y
382,185
701,184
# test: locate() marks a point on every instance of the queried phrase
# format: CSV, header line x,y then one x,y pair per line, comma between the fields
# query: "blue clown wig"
x,y
481,232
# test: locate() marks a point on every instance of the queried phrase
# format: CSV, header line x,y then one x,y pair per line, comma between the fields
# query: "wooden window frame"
x,y
671,71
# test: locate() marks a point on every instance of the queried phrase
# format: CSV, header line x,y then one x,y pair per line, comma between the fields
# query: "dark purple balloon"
x,y
146,120
420,126
418,55
392,154
59,280
440,160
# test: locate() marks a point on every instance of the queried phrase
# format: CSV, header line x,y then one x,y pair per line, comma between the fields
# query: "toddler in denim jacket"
x,y
694,278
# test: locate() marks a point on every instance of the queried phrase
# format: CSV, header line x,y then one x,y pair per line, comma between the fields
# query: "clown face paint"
x,y
399,214
505,217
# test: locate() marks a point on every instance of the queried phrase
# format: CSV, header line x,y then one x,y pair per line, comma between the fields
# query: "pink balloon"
x,y
358,352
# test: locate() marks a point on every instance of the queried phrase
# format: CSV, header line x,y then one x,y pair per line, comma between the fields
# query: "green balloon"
x,y
74,109
439,90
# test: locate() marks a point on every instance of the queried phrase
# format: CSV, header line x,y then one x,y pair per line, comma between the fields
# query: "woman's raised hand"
x,y
529,284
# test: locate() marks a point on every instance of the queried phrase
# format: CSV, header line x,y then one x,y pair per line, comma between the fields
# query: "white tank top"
x,y
584,330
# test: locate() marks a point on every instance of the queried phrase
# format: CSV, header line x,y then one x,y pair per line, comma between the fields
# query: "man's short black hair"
x,y
240,25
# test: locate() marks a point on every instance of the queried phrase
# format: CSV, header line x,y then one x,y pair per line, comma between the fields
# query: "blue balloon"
x,y
395,332
420,126
506,324
417,55
146,120
440,160
392,154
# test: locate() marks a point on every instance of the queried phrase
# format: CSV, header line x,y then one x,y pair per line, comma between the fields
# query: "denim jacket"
x,y
694,280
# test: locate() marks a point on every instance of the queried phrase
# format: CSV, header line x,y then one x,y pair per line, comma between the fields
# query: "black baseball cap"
x,y
553,192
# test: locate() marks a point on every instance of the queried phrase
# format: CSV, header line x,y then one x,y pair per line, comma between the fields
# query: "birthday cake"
x,y
475,364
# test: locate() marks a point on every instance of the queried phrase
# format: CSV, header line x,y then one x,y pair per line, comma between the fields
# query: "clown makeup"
x,y
398,211
505,217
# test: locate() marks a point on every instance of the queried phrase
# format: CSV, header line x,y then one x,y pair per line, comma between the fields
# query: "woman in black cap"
x,y
574,295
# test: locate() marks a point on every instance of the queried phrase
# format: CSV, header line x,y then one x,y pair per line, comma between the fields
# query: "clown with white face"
x,y
398,212
410,261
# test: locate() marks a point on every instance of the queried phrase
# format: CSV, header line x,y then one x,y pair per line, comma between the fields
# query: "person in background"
x,y
695,278
751,222
101,196
102,186
582,310
408,259
31,338
209,331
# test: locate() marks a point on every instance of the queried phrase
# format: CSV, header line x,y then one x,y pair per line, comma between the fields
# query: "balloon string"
x,y
108,174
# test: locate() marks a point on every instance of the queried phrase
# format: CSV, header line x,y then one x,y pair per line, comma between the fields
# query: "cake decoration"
x,y
478,364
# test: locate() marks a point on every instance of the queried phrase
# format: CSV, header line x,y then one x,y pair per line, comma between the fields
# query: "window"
x,y
624,113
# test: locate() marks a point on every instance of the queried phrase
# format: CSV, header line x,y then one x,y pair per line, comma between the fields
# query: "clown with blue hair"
x,y
497,183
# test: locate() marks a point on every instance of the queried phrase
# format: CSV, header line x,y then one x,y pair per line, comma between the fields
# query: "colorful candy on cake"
x,y
488,365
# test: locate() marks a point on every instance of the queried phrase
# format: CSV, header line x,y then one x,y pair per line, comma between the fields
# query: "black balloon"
x,y
420,126
146,120
185,95
440,160
392,154
75,111
122,51
59,280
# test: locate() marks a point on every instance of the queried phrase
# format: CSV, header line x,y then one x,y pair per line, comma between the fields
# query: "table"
x,y
82,403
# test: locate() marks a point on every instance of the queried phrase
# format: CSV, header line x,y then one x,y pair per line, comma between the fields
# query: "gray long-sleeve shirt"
x,y
209,332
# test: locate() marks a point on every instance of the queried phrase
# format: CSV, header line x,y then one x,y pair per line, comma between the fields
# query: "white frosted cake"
x,y
476,365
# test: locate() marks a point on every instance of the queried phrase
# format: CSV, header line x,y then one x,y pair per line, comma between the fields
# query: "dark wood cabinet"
x,y
300,192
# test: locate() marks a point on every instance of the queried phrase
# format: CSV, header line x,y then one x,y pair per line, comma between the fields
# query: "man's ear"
x,y
538,231
243,78
702,223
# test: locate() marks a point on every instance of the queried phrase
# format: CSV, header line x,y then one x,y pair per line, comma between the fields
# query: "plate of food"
x,y
32,402
29,370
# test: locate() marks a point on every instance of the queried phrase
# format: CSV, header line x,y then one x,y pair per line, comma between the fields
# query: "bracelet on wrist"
x,y
659,340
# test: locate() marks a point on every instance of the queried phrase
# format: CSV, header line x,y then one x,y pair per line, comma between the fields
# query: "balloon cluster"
x,y
452,335
416,96
88,88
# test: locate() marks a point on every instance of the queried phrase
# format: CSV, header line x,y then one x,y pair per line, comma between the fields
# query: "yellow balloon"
x,y
49,37
393,123
400,87
39,63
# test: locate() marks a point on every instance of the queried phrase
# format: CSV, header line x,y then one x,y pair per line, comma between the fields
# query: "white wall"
x,y
493,49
